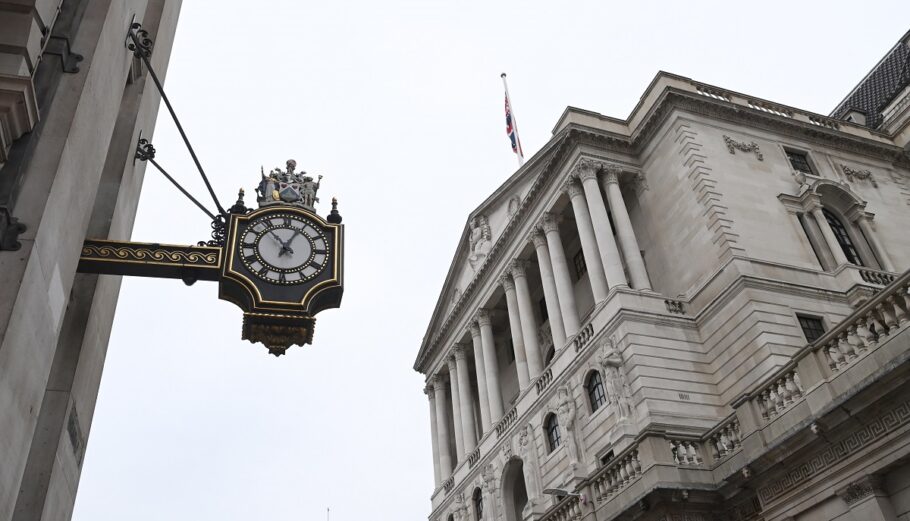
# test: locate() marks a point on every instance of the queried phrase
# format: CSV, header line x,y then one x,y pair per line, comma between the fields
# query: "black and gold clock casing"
x,y
282,265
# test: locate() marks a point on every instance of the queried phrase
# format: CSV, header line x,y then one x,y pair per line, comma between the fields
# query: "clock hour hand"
x,y
284,246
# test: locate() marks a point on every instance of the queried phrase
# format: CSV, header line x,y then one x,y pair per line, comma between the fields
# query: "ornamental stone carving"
x,y
854,175
859,490
518,268
514,203
566,412
480,241
482,317
458,351
611,173
527,450
538,238
617,388
733,146
549,223
572,188
587,168
505,280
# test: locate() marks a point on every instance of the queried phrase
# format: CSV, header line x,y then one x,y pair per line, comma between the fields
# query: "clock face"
x,y
284,248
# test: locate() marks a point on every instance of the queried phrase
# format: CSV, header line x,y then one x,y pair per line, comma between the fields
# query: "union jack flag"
x,y
512,131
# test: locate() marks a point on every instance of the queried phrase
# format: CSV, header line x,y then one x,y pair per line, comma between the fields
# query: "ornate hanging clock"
x,y
281,263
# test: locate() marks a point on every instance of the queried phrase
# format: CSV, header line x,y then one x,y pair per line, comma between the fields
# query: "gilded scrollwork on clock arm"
x,y
189,263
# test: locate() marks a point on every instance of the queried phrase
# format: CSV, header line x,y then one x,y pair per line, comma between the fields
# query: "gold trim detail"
x,y
150,255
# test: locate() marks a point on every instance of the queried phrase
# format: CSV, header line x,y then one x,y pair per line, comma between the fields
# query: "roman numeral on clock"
x,y
250,259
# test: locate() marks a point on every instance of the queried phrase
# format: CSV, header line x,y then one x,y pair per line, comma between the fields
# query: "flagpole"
x,y
520,154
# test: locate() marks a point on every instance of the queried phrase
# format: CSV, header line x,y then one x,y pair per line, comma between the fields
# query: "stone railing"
x,y
569,509
675,306
725,439
507,420
614,477
874,321
882,278
583,337
685,453
544,380
771,108
449,484
711,92
473,457
824,122
779,394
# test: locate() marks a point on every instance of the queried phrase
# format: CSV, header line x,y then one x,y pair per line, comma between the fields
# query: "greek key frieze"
x,y
834,454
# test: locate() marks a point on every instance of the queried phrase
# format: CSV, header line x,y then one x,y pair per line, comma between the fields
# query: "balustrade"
x,y
583,337
780,394
569,509
824,122
685,452
616,476
473,457
544,381
771,108
876,277
449,484
507,420
725,440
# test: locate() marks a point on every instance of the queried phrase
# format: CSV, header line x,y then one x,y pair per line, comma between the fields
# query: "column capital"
x,y
505,280
611,171
482,317
571,187
430,391
458,351
860,489
856,212
474,329
518,268
450,361
537,237
549,222
587,168
437,382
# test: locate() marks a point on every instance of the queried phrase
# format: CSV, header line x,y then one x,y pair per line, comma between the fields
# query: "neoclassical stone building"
x,y
74,101
699,312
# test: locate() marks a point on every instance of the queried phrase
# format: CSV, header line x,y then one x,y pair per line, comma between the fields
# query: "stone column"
x,y
873,241
518,343
839,256
479,367
624,231
466,400
588,240
528,321
494,393
547,280
564,288
442,425
456,409
606,243
434,433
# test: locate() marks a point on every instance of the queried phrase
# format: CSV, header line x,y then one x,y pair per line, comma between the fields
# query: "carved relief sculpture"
x,y
490,490
480,241
733,145
854,174
566,413
527,449
617,388
514,203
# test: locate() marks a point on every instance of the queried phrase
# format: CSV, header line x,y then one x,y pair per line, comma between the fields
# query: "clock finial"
x,y
334,217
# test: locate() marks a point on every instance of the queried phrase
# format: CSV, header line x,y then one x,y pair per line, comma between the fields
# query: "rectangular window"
x,y
799,161
580,267
813,327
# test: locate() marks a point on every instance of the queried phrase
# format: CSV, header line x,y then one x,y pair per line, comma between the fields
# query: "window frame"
x,y
477,503
812,169
842,234
807,316
601,400
579,263
551,432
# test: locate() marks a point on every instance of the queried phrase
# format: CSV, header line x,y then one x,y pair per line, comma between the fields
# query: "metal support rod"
x,y
187,194
143,49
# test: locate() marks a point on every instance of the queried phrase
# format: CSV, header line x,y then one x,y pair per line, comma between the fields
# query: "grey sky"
x,y
400,106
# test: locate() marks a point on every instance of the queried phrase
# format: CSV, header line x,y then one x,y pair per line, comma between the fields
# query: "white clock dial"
x,y
284,249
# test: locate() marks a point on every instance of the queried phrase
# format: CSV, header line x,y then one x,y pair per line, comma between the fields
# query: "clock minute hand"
x,y
284,246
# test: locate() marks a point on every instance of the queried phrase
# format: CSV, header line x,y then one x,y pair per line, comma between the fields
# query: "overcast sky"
x,y
400,106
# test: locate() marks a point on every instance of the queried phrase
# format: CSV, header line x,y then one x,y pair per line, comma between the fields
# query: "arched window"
x,y
478,504
551,353
843,238
595,388
551,426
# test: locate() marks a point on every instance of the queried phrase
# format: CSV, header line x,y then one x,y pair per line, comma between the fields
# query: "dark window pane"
x,y
799,161
542,306
580,267
813,327
550,354
552,428
843,238
606,458
478,504
596,393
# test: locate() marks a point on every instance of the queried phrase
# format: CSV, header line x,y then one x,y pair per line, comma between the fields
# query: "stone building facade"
x,y
699,312
73,104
